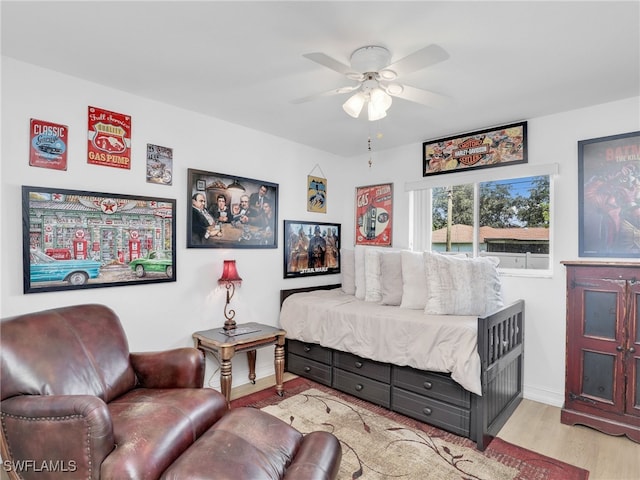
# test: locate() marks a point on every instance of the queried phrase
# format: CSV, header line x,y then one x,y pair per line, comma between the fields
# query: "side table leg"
x,y
279,367
225,379
251,358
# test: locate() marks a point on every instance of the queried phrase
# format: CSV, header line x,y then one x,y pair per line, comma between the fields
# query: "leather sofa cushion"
x,y
152,427
246,443
63,352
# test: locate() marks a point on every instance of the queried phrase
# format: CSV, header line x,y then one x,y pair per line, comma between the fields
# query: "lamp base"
x,y
229,324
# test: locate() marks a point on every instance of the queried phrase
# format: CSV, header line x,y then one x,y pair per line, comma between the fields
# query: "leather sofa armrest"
x,y
318,458
177,368
71,433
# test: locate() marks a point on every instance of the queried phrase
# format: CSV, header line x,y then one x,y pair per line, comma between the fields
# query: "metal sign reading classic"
x,y
75,239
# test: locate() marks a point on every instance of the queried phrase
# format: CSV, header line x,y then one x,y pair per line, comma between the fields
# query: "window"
x,y
506,218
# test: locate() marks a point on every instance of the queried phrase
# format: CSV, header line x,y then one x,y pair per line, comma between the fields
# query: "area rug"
x,y
378,444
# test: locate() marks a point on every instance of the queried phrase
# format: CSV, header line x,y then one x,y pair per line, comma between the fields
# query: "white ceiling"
x,y
242,61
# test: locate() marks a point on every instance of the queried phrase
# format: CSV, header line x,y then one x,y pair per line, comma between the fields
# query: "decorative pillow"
x,y
414,280
391,278
462,286
348,270
372,276
359,269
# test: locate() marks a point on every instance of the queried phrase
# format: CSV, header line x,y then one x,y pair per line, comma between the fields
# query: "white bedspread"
x,y
440,343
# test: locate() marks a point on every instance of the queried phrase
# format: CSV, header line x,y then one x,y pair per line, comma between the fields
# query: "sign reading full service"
x,y
109,138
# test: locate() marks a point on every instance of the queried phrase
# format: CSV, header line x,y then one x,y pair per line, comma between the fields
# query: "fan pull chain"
x,y
369,146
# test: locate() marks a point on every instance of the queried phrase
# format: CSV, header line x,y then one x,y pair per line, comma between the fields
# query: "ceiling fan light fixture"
x,y
380,99
375,112
394,89
354,105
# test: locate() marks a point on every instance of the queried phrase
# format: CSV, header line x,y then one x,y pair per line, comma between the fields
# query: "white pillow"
x,y
391,278
348,270
414,280
372,291
359,271
462,286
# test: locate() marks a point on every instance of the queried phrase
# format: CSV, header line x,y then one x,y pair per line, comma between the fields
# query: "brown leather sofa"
x,y
75,403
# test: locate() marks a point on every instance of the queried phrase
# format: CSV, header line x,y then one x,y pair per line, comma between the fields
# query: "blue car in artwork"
x,y
44,268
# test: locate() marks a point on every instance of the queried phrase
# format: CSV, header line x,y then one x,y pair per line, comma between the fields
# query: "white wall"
x,y
158,316
551,139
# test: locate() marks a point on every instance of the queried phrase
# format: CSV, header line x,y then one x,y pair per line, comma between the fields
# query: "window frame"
x,y
420,208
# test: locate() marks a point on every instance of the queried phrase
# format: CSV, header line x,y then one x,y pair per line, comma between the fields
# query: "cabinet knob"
x,y
426,411
632,350
427,385
307,348
358,364
307,369
619,348
359,387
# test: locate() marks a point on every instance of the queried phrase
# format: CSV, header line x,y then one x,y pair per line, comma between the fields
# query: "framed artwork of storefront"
x,y
609,196
75,239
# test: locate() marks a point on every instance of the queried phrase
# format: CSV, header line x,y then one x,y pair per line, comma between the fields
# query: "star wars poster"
x,y
109,139
374,215
311,248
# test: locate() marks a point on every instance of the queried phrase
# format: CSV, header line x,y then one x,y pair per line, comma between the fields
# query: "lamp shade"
x,y
354,105
229,272
375,113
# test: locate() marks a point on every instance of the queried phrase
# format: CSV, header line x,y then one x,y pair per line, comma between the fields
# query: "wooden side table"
x,y
224,347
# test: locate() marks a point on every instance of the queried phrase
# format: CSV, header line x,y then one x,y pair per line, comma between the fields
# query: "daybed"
x,y
76,404
383,335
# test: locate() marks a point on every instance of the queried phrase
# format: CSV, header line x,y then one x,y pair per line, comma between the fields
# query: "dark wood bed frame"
x,y
501,350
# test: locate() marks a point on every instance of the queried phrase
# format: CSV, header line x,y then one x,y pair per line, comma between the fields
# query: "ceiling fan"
x,y
371,68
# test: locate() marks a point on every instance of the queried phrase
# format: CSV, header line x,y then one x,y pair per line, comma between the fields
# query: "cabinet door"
x,y
596,346
633,350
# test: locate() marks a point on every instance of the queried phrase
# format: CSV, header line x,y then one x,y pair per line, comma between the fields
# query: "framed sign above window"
x,y
491,147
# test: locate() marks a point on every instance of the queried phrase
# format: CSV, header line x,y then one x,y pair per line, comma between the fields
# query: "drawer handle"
x,y
358,364
427,385
307,369
359,387
426,411
307,348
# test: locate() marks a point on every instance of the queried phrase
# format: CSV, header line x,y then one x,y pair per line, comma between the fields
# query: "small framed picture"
x,y
311,248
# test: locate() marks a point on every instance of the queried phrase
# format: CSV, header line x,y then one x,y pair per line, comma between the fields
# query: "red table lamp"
x,y
229,278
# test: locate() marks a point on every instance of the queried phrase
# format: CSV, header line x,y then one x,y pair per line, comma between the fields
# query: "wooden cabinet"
x,y
603,347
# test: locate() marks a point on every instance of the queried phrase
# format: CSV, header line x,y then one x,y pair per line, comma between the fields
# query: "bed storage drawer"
x,y
310,350
364,388
434,412
362,366
433,385
316,371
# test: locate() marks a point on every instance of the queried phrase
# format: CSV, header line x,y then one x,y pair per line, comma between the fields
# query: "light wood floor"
x,y
537,427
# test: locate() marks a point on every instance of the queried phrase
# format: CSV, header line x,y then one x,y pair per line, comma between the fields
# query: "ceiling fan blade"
x,y
335,91
423,97
423,58
327,61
